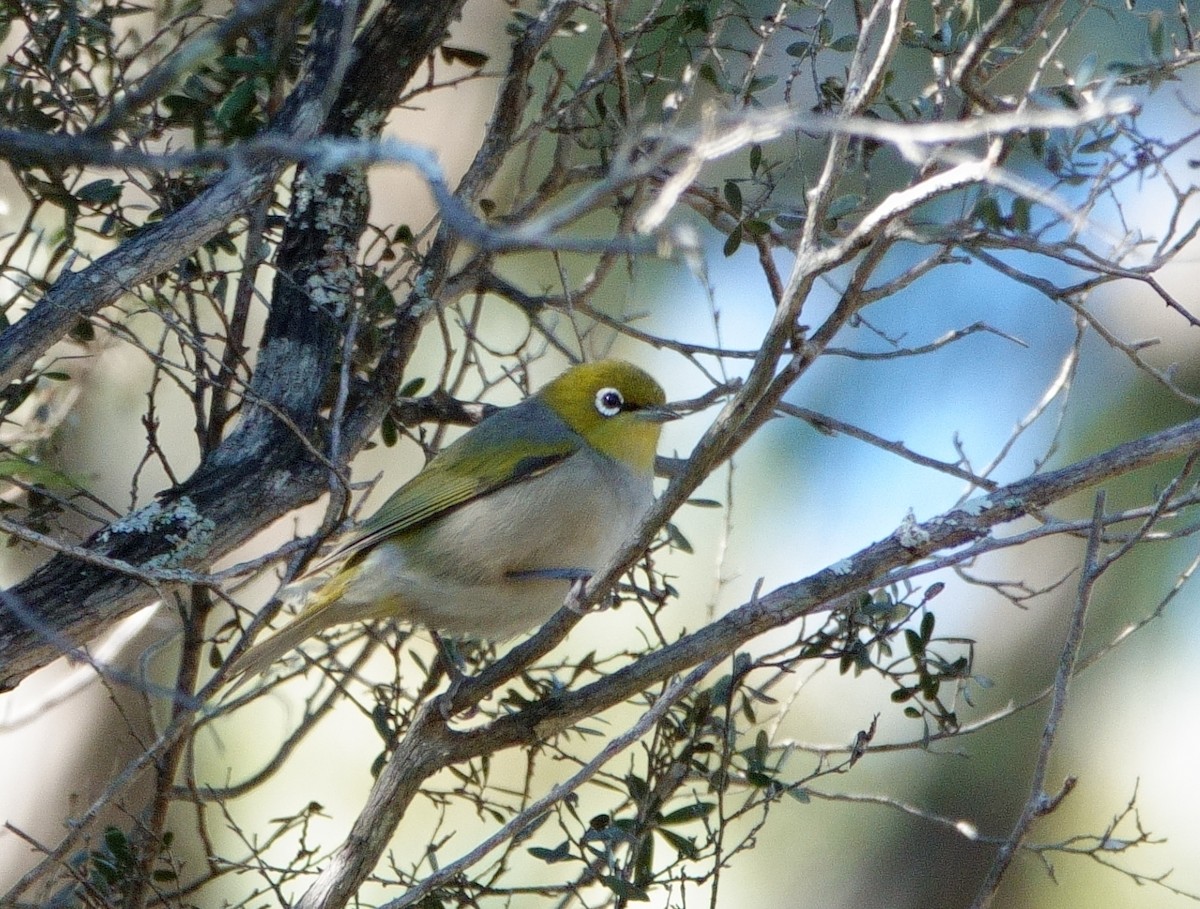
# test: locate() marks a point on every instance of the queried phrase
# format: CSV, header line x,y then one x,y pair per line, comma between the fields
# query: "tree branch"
x,y
429,744
263,461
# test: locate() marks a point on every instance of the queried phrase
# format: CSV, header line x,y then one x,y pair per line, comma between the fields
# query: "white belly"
x,y
572,518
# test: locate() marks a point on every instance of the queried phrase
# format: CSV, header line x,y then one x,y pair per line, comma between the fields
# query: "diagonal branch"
x,y
430,744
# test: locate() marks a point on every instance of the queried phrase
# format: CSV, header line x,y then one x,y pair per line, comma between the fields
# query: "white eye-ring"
x,y
609,402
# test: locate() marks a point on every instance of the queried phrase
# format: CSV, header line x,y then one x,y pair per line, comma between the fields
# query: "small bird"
x,y
487,540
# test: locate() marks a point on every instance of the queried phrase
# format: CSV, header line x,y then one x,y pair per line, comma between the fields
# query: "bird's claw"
x,y
574,600
452,663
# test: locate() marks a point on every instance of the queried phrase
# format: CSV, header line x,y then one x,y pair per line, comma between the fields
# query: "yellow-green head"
x,y
616,407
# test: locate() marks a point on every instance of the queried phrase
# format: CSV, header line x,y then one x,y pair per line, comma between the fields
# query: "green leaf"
x,y
624,889
677,539
742,662
733,196
1123,68
638,790
930,686
1156,31
1037,143
182,108
798,48
255,64
844,44
721,688
685,846
916,647
927,622
732,242
381,719
472,58
1020,216
560,853
35,474
237,104
688,813
99,192
1067,96
987,211
412,386
388,431
755,157
748,711
378,296
117,845
760,780
693,17
761,696
709,75
1098,145
104,869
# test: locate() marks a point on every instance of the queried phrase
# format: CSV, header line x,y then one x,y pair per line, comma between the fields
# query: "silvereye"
x,y
487,539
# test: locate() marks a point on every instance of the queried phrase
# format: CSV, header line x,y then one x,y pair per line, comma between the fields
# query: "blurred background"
x,y
794,501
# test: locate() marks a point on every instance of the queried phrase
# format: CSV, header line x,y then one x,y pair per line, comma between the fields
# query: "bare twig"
x,y
1040,803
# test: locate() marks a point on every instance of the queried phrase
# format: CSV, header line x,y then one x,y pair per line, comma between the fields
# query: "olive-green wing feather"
x,y
512,445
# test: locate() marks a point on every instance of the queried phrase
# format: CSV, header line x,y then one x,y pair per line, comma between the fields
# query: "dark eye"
x,y
609,402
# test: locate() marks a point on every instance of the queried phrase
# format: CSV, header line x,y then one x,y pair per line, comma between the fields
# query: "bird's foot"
x,y
574,600
453,664
577,576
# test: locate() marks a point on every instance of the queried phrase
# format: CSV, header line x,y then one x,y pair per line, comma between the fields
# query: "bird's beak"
x,y
657,414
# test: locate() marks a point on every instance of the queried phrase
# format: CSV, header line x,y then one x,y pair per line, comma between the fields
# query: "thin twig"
x,y
1040,803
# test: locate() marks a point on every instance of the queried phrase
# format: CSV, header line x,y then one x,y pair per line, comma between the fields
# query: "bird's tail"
x,y
318,614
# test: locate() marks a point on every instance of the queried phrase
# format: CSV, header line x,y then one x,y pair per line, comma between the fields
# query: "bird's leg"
x,y
577,576
448,653
574,600
452,663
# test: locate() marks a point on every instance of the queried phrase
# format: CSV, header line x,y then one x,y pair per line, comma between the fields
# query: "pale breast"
x,y
573,518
